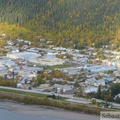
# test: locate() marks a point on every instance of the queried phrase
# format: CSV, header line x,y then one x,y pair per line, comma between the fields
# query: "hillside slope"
x,y
70,21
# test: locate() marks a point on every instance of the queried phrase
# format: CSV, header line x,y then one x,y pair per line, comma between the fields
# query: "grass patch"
x,y
56,66
23,93
32,94
117,109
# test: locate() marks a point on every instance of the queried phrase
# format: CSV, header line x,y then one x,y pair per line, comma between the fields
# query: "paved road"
x,y
70,97
114,104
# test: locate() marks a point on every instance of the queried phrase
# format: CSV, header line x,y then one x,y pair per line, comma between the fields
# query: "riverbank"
x,y
41,111
34,100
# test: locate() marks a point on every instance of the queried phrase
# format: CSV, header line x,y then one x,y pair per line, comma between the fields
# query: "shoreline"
x,y
39,110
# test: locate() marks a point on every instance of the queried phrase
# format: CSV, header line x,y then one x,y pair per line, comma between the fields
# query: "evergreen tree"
x,y
98,95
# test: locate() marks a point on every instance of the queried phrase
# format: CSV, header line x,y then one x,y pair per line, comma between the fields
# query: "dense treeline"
x,y
71,21
14,31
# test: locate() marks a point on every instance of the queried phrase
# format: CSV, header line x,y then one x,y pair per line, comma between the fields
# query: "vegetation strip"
x,y
32,94
34,99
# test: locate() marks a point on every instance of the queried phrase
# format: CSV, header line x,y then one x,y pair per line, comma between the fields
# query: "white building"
x,y
99,82
15,50
63,88
100,68
23,55
48,60
2,67
90,89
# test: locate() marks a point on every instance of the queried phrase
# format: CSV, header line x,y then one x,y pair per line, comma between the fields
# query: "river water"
x,y
6,114
10,110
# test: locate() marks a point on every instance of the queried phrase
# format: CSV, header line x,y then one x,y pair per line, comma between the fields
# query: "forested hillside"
x,y
72,21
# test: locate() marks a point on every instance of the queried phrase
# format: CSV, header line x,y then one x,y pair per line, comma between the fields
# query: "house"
x,y
9,42
42,39
89,76
15,50
19,85
77,51
44,86
8,47
52,53
3,72
25,41
94,53
117,64
2,67
80,55
7,62
37,70
90,89
25,80
23,55
99,82
32,50
8,76
27,74
10,63
117,81
3,35
99,68
63,88
118,95
90,81
85,59
70,70
59,49
24,47
108,79
57,80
